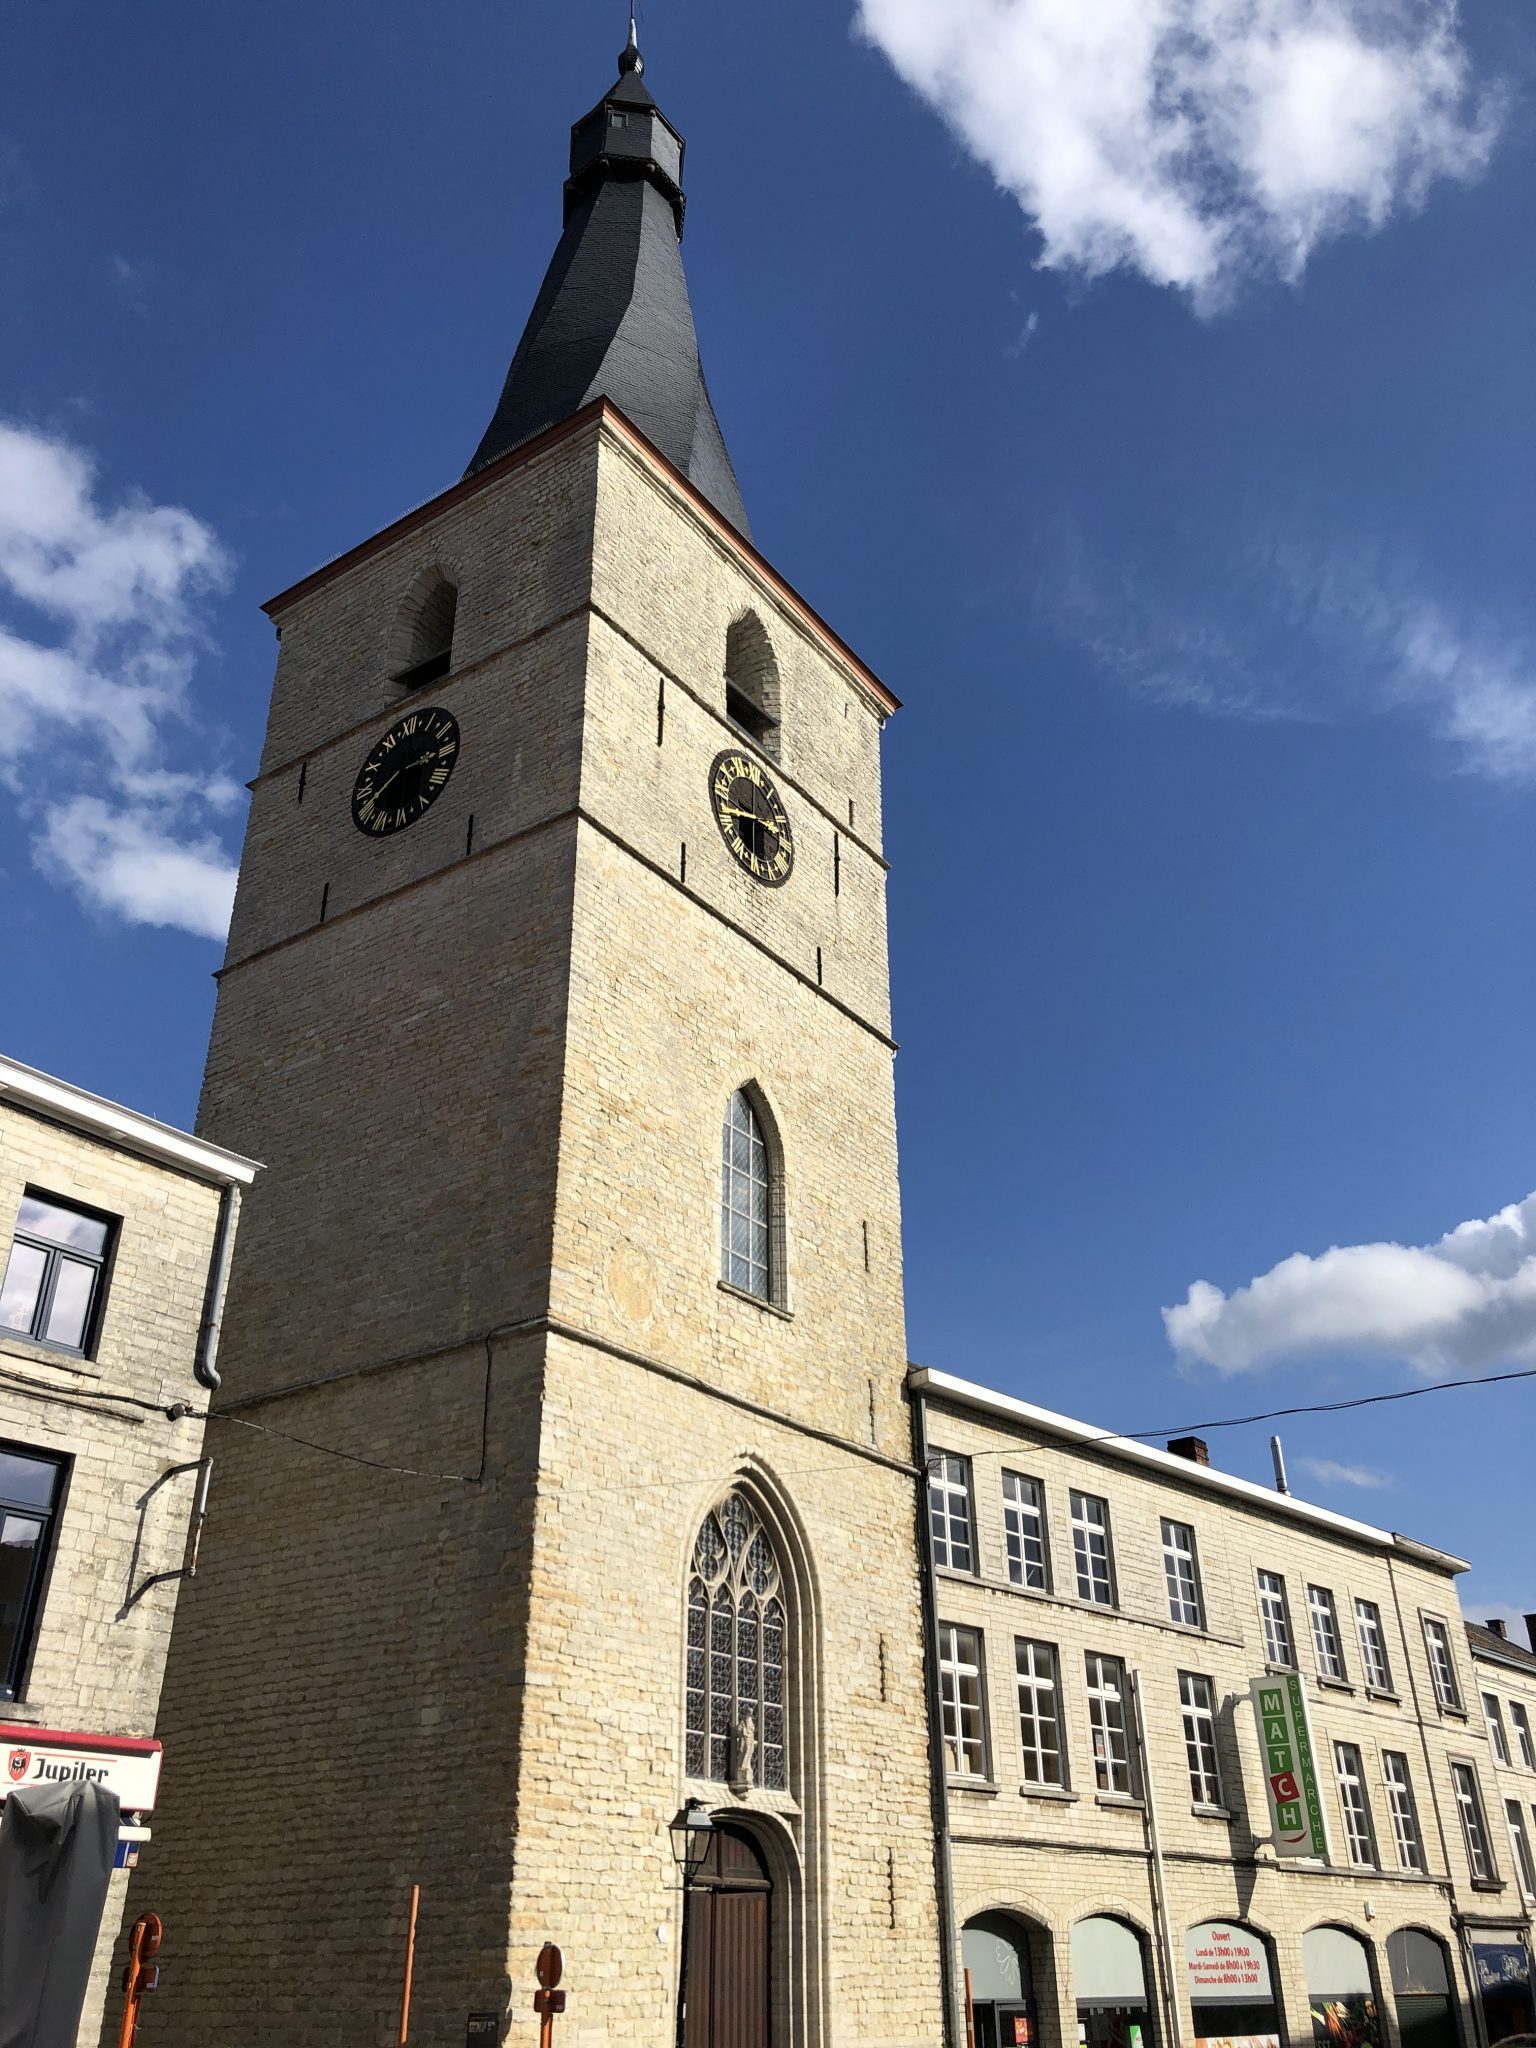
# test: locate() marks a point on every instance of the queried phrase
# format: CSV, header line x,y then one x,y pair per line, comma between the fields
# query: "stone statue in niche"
x,y
742,1779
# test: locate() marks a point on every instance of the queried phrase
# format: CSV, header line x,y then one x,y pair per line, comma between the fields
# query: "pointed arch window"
x,y
737,1637
427,633
750,1256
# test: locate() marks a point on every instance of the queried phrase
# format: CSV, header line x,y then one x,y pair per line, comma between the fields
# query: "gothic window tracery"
x,y
736,1651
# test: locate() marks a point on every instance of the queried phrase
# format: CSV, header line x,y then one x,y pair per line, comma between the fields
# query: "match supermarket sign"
x,y
49,1756
1290,1767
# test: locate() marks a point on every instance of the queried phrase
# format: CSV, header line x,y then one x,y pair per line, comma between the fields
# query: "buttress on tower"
x,y
556,1003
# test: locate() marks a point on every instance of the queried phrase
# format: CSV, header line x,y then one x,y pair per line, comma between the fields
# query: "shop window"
x,y
1231,1987
949,1512
56,1274
1024,1532
1109,1979
1421,1990
994,1950
30,1487
1340,1990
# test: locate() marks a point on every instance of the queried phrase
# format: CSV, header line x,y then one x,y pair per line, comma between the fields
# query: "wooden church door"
x,y
727,1998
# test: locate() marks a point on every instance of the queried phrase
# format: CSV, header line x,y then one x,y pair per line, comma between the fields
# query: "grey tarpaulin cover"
x,y
57,1845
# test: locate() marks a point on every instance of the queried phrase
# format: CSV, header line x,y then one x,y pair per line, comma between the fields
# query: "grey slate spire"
x,y
613,318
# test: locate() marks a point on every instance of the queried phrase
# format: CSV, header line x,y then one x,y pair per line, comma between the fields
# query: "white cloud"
x,y
1466,1303
99,635
1329,1472
1196,140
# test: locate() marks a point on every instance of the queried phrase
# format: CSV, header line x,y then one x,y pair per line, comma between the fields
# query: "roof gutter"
x,y
955,2030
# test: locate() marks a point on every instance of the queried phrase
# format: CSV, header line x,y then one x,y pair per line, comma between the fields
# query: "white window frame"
x,y
1521,1720
1520,1847
1327,1644
1039,1698
1359,1830
1092,1549
1442,1663
952,1528
1474,1823
1275,1614
1407,1834
1493,1714
1019,1512
1181,1570
1374,1661
963,1700
1197,1699
1109,1725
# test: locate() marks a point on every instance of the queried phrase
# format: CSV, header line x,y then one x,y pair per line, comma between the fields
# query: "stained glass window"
x,y
736,1651
745,1185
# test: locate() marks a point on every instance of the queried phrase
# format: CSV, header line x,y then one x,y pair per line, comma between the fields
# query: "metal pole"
x,y
410,1965
682,1962
1159,1879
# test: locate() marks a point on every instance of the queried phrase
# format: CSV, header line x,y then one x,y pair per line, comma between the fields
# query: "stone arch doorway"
x,y
727,1996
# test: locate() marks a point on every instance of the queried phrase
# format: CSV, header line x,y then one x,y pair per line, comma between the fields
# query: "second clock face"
x,y
752,819
407,771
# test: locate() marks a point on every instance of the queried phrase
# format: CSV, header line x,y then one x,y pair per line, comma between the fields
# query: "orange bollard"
x,y
142,1974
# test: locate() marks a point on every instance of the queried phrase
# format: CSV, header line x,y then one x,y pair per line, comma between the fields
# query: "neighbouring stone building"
x,y
1504,1676
1102,1611
117,1234
556,1005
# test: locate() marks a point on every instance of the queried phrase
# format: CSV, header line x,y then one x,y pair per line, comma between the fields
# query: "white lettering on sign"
x,y
1226,1964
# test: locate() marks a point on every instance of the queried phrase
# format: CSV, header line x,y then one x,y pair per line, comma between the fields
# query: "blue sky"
x,y
1147,397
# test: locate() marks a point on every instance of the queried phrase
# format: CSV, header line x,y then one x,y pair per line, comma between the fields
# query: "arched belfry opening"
x,y
424,635
752,699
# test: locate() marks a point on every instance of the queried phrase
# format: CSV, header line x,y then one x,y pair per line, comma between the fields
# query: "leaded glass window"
x,y
736,1651
746,1259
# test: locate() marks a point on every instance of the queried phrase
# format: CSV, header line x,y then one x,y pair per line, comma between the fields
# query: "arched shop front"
x,y
1109,1978
1340,1989
1421,1990
1231,1989
994,1949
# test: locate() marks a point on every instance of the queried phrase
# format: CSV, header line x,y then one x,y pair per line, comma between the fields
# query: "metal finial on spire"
x,y
630,58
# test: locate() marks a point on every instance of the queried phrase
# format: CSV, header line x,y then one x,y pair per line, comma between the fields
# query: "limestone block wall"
x,y
100,1654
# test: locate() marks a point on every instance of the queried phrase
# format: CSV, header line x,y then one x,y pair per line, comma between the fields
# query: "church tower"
x,y
567,1474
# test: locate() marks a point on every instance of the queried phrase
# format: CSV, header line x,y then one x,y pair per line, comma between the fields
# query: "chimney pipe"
x,y
1498,1628
1194,1448
1277,1452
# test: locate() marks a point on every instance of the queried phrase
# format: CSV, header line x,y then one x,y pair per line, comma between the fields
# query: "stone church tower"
x,y
570,1475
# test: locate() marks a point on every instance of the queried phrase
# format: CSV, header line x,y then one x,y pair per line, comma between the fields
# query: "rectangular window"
x,y
1441,1665
1182,1574
949,1512
965,1733
1357,1812
1108,1725
29,1498
1493,1714
52,1288
1090,1549
1373,1646
1199,1703
1405,1814
1325,1632
1522,1721
1039,1712
1474,1829
1520,1847
1277,1621
1024,1532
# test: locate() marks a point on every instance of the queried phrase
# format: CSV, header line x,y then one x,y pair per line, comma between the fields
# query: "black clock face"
x,y
752,819
406,772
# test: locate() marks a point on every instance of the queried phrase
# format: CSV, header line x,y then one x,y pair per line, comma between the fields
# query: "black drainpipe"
x,y
938,1772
